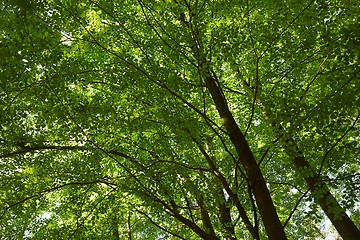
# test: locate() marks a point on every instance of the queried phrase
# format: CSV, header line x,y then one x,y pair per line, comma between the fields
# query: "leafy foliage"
x,y
112,129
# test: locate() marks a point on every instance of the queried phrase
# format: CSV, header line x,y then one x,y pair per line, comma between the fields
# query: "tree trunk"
x,y
263,199
321,193
128,225
319,190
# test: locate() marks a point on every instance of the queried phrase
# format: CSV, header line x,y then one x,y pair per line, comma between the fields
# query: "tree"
x,y
179,119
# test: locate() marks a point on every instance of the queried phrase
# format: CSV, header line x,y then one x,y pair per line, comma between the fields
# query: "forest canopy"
x,y
179,119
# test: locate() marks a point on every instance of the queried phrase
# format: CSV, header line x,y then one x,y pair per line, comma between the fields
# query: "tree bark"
x,y
205,216
319,190
175,213
234,197
225,219
116,233
128,226
321,193
263,199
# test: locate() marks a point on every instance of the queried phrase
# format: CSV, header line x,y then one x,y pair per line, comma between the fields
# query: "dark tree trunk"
x,y
263,199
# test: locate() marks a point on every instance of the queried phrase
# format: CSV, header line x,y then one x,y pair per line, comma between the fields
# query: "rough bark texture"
x,y
263,199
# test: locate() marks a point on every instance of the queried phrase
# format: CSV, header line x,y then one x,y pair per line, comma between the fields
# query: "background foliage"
x,y
104,112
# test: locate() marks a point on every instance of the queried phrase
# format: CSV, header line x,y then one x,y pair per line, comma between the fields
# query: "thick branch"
x,y
225,219
157,225
205,215
234,197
